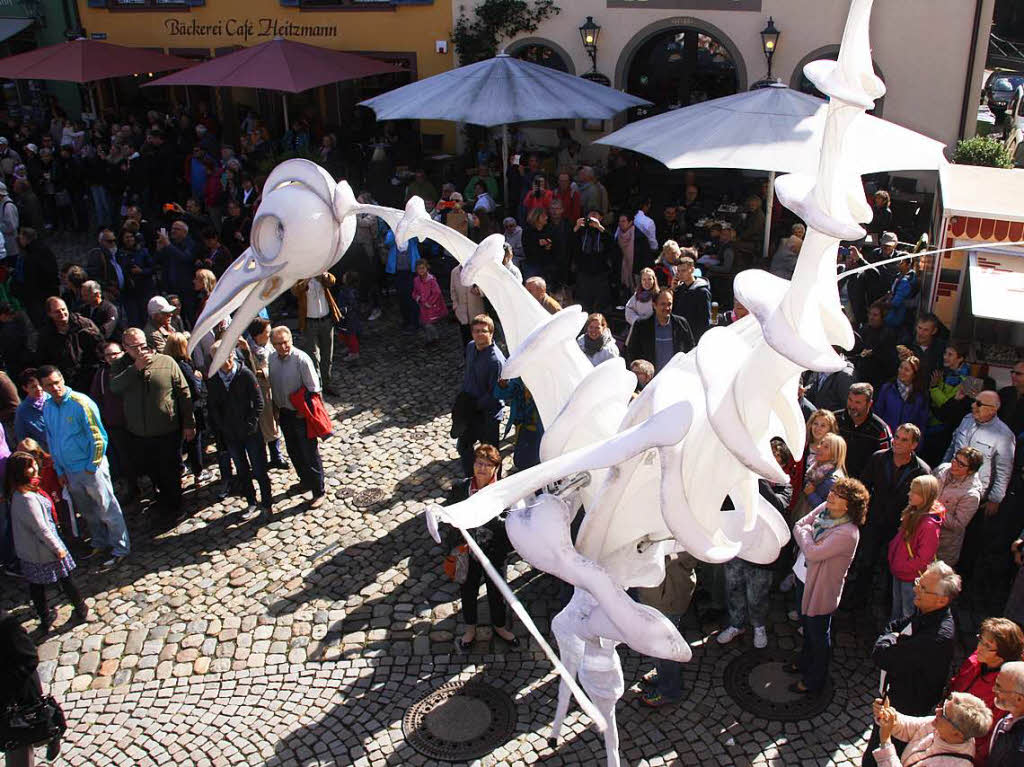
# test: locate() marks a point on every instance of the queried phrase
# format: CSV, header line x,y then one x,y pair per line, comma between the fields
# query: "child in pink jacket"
x,y
916,543
427,294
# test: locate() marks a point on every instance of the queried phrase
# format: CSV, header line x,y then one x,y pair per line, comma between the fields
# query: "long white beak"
x,y
247,286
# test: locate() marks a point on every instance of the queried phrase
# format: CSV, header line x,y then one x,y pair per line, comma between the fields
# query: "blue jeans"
x,y
101,205
817,650
93,496
670,673
250,459
902,599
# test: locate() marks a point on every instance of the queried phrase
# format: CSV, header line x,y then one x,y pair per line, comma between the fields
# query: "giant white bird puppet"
x,y
653,474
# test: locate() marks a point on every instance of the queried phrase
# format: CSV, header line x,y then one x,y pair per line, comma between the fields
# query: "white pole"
x,y
504,166
768,216
92,102
284,106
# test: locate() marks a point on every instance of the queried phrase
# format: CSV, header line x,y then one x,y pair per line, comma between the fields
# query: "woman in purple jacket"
x,y
827,538
905,398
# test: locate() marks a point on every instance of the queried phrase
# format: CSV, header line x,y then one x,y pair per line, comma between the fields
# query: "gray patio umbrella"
x,y
775,129
502,91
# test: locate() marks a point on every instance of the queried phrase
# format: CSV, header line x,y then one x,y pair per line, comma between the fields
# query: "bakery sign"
x,y
689,5
246,29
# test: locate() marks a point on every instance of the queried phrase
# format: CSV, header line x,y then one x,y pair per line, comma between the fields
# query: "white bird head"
x,y
302,227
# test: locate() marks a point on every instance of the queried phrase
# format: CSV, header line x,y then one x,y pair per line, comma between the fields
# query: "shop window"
x,y
352,4
538,53
678,67
146,5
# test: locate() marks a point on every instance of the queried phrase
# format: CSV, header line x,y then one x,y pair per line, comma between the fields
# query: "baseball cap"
x,y
159,305
3,140
3,188
889,238
32,147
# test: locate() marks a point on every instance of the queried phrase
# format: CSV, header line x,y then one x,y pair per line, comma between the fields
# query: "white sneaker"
x,y
760,637
787,583
374,315
793,615
728,634
800,630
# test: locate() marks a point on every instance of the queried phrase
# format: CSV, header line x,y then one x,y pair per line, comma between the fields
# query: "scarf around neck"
x,y
903,389
823,523
592,347
644,296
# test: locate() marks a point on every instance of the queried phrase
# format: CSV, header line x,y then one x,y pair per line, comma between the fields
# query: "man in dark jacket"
x,y
827,391
592,262
863,288
887,477
103,314
692,299
71,342
483,369
864,431
914,653
1008,734
38,275
661,336
234,404
176,253
102,265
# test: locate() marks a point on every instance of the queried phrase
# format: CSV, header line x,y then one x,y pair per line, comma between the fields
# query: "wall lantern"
x,y
769,42
590,31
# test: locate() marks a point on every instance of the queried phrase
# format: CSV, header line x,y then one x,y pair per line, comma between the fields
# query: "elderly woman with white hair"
x,y
946,739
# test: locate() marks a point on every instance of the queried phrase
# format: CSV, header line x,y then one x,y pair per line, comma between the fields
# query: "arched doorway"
x,y
676,66
544,52
800,82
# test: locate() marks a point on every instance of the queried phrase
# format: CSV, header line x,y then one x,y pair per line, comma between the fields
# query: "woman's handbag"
x,y
31,724
456,564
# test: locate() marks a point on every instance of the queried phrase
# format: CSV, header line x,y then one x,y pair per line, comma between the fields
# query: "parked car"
x,y
999,90
1014,140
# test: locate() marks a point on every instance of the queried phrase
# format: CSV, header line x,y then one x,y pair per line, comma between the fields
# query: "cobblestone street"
x,y
304,639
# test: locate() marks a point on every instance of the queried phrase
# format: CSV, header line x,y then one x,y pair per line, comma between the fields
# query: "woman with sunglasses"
x,y
960,494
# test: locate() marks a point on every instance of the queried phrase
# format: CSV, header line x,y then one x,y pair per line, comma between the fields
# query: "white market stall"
x,y
978,292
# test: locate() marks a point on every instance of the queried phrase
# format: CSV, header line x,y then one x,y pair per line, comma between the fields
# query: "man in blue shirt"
x,y
78,444
483,369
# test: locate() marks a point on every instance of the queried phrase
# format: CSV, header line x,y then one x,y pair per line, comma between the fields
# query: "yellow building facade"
x,y
411,33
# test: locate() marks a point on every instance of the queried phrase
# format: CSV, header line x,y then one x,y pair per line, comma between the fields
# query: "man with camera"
x,y
593,262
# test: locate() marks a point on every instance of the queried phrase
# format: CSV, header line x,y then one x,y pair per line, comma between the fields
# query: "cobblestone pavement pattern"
x,y
303,639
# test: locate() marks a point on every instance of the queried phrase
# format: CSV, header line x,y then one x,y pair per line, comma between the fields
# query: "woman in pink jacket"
x,y
827,538
427,294
915,544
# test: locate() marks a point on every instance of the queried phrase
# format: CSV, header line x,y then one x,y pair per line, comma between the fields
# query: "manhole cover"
x,y
366,498
756,682
460,721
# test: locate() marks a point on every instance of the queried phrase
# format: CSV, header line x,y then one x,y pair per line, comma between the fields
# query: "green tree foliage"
x,y
476,36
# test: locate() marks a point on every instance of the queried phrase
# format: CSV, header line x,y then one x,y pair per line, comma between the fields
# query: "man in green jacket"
x,y
158,413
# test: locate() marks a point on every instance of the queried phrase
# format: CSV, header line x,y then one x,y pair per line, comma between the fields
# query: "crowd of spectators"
x,y
910,483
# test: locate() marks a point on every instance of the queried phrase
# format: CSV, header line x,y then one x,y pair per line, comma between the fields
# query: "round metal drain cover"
x,y
460,722
367,498
756,683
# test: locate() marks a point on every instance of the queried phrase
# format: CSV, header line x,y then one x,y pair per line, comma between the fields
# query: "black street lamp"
x,y
590,31
769,41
